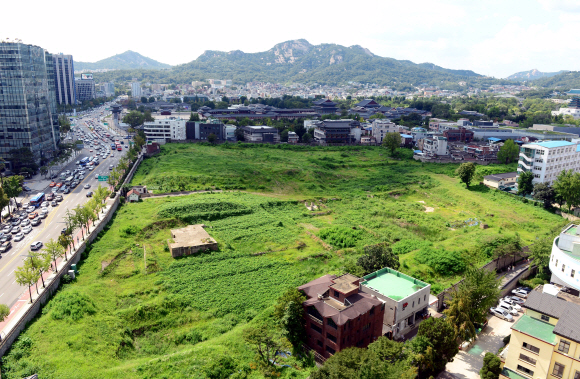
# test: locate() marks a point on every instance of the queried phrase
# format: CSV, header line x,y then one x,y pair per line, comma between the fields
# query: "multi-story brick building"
x,y
459,134
338,315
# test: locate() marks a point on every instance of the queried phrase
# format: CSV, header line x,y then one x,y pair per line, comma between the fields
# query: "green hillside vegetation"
x,y
563,82
300,62
135,312
128,60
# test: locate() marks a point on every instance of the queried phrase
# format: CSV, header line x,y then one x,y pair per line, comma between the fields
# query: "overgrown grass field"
x,y
135,312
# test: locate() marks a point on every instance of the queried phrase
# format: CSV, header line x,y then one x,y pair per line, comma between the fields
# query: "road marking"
x,y
1,295
9,274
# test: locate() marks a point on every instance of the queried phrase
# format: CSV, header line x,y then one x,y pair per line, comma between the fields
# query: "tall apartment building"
x,y
64,79
434,146
547,159
85,87
108,89
135,90
380,128
545,341
165,130
28,115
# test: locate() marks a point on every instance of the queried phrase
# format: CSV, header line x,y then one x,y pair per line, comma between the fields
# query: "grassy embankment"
x,y
141,314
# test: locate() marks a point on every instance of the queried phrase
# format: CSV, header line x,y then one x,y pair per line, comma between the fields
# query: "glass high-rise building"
x,y
28,115
64,79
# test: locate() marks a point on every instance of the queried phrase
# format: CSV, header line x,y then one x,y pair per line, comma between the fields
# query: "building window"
x,y
366,327
545,318
372,312
331,337
316,328
531,348
556,263
525,370
331,323
330,349
577,375
558,370
319,343
572,273
336,294
563,268
564,346
527,359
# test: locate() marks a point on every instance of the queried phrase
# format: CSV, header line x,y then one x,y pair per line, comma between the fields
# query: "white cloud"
x,y
561,5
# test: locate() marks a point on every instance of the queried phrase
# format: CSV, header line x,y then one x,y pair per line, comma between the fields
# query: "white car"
x,y
512,303
508,308
520,293
87,186
501,314
36,245
19,237
96,176
44,204
27,229
516,299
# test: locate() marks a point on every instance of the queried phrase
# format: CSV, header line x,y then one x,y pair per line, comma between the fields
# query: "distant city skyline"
x,y
496,37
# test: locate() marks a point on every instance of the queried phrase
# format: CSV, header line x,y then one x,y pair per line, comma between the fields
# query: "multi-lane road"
x,y
51,226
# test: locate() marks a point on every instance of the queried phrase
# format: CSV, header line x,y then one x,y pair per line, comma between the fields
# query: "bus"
x,y
113,146
37,200
84,161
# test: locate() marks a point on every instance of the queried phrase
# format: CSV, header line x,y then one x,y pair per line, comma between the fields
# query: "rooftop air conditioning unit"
x,y
320,297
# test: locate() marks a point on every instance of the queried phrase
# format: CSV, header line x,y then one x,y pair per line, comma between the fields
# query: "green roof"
x,y
571,231
536,328
512,374
392,283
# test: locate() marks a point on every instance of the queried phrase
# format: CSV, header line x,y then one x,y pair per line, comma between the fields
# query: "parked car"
x,y
501,314
5,246
50,197
15,222
6,237
15,230
35,222
25,222
514,304
18,236
520,293
36,245
508,308
525,289
27,229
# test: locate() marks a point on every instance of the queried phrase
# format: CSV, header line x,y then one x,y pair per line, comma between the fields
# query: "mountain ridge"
x,y
533,75
128,60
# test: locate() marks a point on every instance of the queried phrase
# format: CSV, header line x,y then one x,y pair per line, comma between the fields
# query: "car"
x,y
66,191
5,246
90,151
96,176
508,308
53,203
78,162
501,314
67,172
52,184
513,304
62,189
27,229
58,198
81,172
87,186
525,289
64,231
33,215
18,237
58,185
520,293
89,194
50,197
30,209
91,168
26,189
44,204
110,167
7,229
36,222
35,245
54,190
23,216
25,222
6,237
15,230
81,177
15,222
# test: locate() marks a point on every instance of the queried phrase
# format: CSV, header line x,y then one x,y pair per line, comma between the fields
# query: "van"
x,y
69,180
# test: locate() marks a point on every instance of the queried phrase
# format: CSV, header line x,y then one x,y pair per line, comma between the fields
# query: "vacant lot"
x,y
135,312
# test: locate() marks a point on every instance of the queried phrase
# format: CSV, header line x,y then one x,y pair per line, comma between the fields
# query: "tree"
x,y
13,187
41,262
466,172
459,316
441,346
239,133
284,135
293,325
266,345
64,124
291,295
392,142
194,117
26,275
540,253
4,201
212,138
307,137
143,99
525,185
377,257
151,99
509,152
300,130
147,116
133,118
491,366
23,157
4,312
66,240
53,251
545,193
567,187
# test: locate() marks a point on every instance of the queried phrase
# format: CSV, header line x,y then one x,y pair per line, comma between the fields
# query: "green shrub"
x,y
442,261
341,236
70,305
407,245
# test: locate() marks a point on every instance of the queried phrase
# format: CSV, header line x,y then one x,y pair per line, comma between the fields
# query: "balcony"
x,y
571,262
316,320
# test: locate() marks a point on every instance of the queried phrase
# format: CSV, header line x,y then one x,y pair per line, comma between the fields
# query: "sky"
x,y
491,37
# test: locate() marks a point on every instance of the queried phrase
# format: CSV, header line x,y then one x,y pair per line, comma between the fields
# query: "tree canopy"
x,y
509,152
466,172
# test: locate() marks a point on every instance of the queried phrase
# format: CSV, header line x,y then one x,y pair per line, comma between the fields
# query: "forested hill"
x,y
126,61
298,61
563,81
532,75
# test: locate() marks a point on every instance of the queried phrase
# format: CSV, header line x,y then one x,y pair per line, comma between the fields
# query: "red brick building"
x,y
459,134
338,315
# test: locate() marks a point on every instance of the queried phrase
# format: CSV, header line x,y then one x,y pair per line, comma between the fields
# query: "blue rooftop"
x,y
552,144
406,136
574,91
494,139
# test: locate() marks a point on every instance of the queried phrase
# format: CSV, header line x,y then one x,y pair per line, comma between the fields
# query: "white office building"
x,y
573,109
380,128
434,146
565,258
135,90
165,130
547,159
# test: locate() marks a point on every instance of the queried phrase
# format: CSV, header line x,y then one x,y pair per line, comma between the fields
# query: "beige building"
x,y
190,240
497,180
545,341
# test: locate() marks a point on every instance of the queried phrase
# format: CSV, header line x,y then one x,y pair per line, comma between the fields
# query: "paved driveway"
x,y
467,363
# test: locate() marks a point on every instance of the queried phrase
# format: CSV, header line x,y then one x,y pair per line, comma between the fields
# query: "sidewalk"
x,y
23,303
